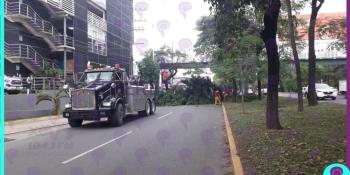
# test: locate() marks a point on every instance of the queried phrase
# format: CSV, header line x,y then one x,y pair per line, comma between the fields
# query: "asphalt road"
x,y
184,140
340,99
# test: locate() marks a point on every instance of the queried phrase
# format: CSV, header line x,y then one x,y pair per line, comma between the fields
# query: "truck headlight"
x,y
106,104
68,106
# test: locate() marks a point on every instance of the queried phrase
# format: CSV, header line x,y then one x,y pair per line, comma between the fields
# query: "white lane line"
x,y
165,115
97,147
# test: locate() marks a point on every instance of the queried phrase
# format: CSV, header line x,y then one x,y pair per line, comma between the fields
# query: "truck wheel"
x,y
75,123
147,111
153,107
117,116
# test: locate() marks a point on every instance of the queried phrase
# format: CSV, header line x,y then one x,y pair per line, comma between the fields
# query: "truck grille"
x,y
83,99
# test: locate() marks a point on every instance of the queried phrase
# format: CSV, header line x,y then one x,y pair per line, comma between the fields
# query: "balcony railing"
x,y
17,8
65,5
98,47
97,21
59,40
27,52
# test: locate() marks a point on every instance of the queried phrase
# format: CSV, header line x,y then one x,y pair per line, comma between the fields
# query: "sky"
x,y
173,23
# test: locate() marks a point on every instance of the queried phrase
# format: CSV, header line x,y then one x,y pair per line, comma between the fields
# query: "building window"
x,y
20,38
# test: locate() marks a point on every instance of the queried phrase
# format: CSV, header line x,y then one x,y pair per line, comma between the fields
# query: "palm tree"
x,y
54,99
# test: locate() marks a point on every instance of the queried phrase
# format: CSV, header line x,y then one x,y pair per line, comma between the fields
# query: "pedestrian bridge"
x,y
191,65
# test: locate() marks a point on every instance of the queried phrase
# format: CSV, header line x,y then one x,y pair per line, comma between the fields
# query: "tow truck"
x,y
108,94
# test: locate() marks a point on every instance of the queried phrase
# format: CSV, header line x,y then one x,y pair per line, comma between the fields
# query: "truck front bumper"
x,y
92,115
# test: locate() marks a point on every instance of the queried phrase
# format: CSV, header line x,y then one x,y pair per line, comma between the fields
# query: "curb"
x,y
235,159
31,120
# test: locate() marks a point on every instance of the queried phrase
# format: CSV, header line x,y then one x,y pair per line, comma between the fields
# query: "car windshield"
x,y
322,86
101,76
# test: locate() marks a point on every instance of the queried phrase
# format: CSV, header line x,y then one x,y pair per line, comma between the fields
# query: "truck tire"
x,y
75,123
147,111
117,116
153,107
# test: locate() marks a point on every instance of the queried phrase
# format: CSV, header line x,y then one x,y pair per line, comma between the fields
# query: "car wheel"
x,y
117,116
153,107
334,98
75,123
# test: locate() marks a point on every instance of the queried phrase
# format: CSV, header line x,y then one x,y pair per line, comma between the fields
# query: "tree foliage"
x,y
149,69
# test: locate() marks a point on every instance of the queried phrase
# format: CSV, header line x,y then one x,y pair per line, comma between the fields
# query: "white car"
x,y
13,85
324,91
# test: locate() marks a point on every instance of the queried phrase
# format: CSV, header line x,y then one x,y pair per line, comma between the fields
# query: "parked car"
x,y
324,91
13,85
108,94
264,91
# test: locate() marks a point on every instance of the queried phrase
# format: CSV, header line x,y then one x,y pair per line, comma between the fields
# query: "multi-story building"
x,y
67,34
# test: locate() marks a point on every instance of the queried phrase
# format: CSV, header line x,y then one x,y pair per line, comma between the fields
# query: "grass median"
x,y
309,142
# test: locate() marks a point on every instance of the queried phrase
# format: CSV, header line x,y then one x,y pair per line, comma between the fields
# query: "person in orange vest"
x,y
217,97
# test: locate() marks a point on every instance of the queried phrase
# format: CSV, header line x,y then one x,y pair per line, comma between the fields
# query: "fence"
x,y
44,83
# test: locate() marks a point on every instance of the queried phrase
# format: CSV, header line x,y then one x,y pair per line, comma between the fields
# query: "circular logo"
x,y
336,169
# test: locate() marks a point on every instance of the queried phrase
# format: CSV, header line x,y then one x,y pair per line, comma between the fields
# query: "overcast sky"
x,y
173,22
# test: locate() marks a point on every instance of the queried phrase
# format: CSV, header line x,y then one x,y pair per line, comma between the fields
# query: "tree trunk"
x,y
241,85
259,88
311,92
268,35
296,56
234,90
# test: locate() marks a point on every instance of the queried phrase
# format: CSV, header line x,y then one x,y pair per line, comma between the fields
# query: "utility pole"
x,y
65,51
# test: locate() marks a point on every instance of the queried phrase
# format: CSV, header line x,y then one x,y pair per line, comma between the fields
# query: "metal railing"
x,y
97,21
64,5
15,8
96,46
62,40
23,51
327,53
44,83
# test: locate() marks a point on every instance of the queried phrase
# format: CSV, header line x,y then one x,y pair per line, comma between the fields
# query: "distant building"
x,y
41,33
323,43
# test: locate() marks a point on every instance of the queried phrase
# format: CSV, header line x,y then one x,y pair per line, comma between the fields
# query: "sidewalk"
x,y
20,126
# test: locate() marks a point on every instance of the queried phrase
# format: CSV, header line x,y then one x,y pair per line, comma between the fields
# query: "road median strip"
x,y
236,161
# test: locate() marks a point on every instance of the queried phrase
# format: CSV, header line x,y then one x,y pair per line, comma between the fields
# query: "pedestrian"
x,y
29,84
217,97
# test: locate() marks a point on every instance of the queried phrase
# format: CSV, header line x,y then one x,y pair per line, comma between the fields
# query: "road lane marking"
x,y
95,148
165,115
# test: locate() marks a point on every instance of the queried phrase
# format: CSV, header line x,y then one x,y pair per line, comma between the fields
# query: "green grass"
x,y
308,142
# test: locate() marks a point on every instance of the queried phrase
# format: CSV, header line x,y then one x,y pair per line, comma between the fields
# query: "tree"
x,y
312,96
268,35
296,56
149,69
54,99
167,55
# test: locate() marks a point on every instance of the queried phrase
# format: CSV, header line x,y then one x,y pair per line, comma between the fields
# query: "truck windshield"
x,y
101,76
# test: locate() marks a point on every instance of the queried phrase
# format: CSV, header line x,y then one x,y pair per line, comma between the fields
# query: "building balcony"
x,y
96,21
97,47
16,11
28,56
